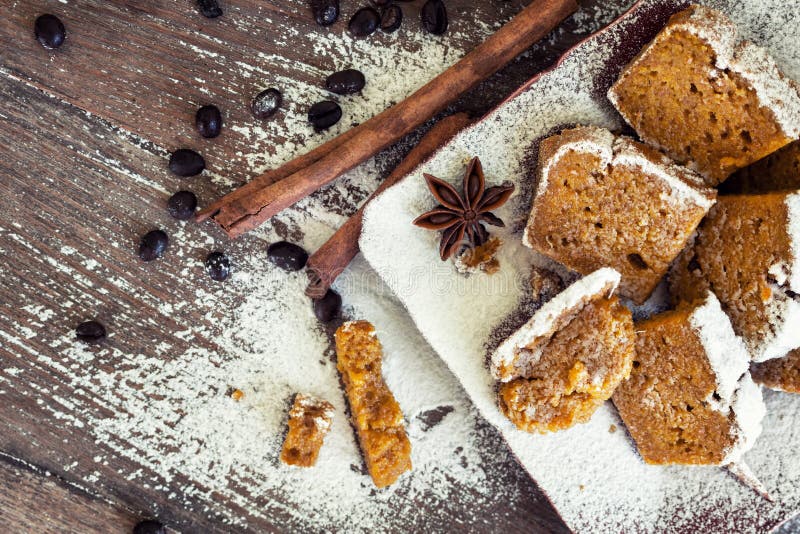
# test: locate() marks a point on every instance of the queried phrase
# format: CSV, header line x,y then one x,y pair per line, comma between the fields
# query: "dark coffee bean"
x,y
287,256
266,103
345,82
208,121
209,8
218,266
185,162
153,245
391,19
50,32
324,114
90,332
149,527
328,307
364,22
434,17
182,205
326,12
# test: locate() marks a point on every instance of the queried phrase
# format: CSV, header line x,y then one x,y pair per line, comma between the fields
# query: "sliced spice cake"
x,y
709,102
690,398
780,171
309,421
568,359
746,252
782,373
606,201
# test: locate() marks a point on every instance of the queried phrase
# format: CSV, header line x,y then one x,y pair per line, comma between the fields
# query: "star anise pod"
x,y
461,217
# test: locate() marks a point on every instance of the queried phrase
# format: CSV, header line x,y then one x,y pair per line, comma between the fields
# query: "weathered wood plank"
x,y
38,502
74,197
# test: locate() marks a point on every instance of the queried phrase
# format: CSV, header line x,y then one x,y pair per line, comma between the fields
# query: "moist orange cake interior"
x,y
734,251
676,97
664,403
782,373
577,370
375,413
593,214
780,171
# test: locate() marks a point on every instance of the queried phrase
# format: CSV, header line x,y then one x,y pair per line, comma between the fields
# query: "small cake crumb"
x,y
237,394
309,421
612,429
480,258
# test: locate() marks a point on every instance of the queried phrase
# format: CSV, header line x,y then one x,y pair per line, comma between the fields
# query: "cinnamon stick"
x,y
240,212
328,262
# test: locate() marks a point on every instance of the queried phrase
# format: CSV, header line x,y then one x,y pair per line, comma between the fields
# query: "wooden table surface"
x,y
85,131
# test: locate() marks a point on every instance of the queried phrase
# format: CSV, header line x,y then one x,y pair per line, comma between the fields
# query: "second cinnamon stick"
x,y
328,262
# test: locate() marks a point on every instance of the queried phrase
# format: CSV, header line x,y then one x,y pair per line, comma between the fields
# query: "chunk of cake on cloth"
x,y
690,398
568,359
782,374
709,102
607,201
746,252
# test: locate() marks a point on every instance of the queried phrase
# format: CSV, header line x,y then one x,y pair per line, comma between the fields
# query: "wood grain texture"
x,y
39,503
86,133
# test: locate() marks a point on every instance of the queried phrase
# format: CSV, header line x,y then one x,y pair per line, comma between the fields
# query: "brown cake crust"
x,y
606,201
782,373
375,412
579,368
686,93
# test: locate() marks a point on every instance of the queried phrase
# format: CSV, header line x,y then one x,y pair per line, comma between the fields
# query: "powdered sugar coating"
x,y
599,284
592,475
307,402
730,363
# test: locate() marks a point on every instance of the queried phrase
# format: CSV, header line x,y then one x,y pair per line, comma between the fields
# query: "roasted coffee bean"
x,y
391,19
218,266
364,22
324,114
90,332
345,82
208,121
153,245
326,12
266,103
434,17
50,32
185,162
287,256
149,527
182,205
209,8
328,307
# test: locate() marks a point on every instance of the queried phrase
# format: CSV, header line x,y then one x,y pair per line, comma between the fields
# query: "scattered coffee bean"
x,y
208,121
182,205
287,256
324,114
326,12
345,82
364,22
153,245
185,162
391,19
90,332
266,103
434,17
50,31
149,527
218,266
209,8
328,307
